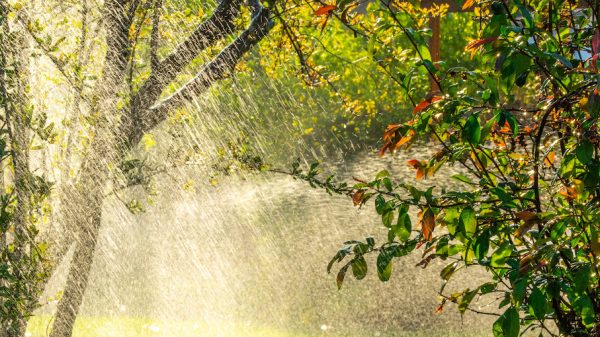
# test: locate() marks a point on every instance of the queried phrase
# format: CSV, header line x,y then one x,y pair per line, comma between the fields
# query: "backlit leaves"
x,y
427,221
324,10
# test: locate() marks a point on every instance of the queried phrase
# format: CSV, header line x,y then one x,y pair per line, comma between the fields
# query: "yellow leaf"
x,y
148,141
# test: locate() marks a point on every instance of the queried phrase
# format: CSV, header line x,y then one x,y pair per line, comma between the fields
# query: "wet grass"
x,y
139,327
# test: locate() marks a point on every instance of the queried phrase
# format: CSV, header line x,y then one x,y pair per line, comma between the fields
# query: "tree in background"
x,y
23,207
118,100
522,124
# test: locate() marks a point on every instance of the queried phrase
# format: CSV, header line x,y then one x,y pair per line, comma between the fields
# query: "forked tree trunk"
x,y
114,137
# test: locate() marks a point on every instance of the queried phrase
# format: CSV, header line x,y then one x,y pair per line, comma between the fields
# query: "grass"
x,y
140,327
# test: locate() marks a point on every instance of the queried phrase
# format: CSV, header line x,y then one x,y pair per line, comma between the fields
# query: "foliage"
x,y
23,206
349,88
522,122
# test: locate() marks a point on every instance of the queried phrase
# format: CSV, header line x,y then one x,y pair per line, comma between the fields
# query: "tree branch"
x,y
219,25
217,69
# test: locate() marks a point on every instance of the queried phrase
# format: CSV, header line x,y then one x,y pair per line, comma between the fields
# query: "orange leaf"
x,y
424,104
569,193
384,148
414,163
419,166
468,4
427,220
404,140
390,131
325,10
475,44
420,173
549,160
421,106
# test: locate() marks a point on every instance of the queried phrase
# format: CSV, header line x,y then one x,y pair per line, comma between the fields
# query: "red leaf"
x,y
421,106
325,10
414,163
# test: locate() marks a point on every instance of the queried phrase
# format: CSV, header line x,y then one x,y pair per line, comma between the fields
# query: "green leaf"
x,y
585,151
500,256
482,245
359,267
511,324
380,204
382,174
465,300
387,218
462,178
340,276
403,227
472,130
447,272
384,266
585,309
468,221
388,184
537,304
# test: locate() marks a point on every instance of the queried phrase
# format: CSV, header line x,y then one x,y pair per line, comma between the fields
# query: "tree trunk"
x,y
79,272
83,210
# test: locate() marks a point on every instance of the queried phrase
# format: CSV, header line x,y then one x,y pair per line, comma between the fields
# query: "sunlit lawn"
x,y
140,327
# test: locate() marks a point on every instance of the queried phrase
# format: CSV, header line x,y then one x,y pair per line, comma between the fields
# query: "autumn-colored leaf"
x,y
427,220
525,263
425,262
405,139
526,215
358,197
440,308
420,107
529,220
474,45
414,163
468,4
549,160
419,166
570,193
325,10
424,104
